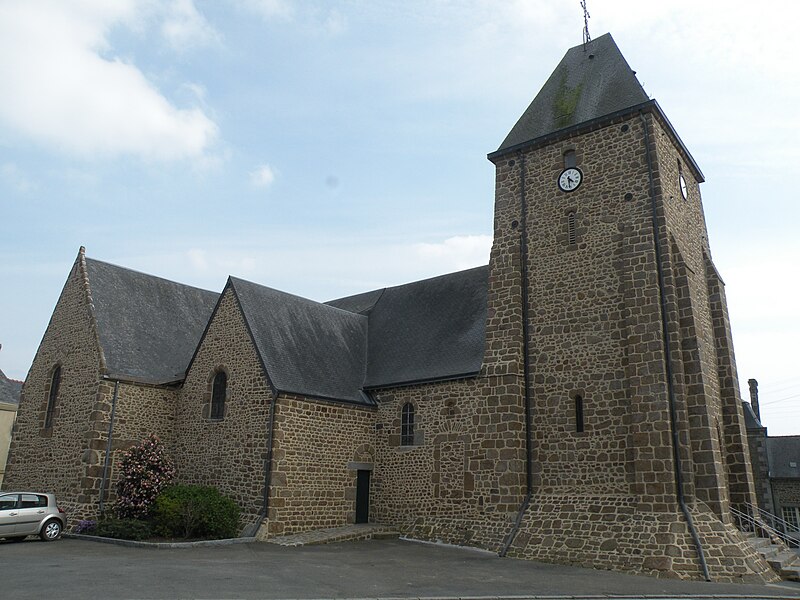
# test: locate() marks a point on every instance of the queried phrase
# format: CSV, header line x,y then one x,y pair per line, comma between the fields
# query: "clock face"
x,y
684,188
570,179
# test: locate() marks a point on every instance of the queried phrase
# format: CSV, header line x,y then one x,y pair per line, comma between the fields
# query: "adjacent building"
x,y
9,400
776,467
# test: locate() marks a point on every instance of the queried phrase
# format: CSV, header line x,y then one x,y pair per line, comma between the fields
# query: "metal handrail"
x,y
752,524
774,521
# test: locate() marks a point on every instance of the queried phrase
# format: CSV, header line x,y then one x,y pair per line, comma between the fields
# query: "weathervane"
x,y
586,37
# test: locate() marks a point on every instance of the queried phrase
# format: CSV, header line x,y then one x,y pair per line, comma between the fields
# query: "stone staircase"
x,y
784,561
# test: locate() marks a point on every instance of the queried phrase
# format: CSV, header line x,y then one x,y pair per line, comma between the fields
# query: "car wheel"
x,y
50,531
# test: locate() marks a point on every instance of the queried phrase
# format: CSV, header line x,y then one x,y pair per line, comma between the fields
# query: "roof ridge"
x,y
159,277
83,272
443,275
383,289
290,294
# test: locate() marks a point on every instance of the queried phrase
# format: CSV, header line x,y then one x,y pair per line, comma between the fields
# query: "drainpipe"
x,y
668,360
107,458
523,249
267,464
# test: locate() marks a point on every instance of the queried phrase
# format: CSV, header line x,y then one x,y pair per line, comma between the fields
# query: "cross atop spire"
x,y
586,16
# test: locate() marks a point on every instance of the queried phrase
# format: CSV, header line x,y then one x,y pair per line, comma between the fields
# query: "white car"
x,y
30,513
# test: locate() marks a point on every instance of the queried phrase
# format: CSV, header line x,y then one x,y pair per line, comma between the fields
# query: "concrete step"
x,y
790,573
786,564
763,546
782,560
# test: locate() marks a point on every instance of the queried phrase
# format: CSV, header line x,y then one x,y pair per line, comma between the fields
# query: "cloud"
x,y
262,176
72,95
184,27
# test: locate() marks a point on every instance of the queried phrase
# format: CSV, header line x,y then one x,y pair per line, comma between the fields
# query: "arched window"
x,y
569,159
578,413
55,382
219,390
407,425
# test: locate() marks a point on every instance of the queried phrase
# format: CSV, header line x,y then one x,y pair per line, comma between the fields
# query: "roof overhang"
x,y
651,107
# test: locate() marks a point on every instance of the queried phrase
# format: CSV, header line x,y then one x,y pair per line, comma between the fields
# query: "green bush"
x,y
123,529
193,511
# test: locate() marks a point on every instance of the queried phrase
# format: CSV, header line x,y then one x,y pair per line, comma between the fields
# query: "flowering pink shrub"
x,y
144,471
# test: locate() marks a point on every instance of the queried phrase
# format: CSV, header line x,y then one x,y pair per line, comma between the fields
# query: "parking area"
x,y
71,568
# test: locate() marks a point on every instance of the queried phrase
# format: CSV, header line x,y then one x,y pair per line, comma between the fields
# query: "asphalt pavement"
x,y
80,569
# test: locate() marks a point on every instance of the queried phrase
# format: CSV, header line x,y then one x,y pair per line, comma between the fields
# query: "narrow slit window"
x,y
218,392
572,238
569,159
55,383
579,414
407,425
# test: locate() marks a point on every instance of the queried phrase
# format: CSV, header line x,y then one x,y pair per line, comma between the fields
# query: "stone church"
x,y
574,401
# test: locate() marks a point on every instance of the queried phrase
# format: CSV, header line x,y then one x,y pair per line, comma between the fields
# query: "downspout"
x,y
668,360
523,249
262,515
107,458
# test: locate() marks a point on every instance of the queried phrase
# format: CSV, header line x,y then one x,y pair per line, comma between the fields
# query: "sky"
x,y
326,148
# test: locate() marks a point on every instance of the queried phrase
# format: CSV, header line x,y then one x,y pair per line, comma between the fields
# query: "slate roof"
x,y
10,389
427,330
750,419
782,453
148,327
306,347
588,83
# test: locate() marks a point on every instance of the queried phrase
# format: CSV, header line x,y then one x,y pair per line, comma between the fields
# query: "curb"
x,y
159,545
584,597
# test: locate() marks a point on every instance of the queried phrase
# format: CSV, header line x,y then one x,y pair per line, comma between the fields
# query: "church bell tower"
x,y
601,259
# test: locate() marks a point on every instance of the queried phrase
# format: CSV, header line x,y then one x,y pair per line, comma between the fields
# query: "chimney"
x,y
754,397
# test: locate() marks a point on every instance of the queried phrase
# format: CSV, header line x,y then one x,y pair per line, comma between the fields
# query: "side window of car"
x,y
8,502
32,501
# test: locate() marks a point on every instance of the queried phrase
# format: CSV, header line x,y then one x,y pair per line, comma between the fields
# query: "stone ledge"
x,y
160,545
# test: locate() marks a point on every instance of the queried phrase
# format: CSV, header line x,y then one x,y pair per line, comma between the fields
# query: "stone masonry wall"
x,y
55,459
228,453
786,493
606,496
140,411
318,448
742,482
463,479
722,470
594,319
692,328
757,443
611,532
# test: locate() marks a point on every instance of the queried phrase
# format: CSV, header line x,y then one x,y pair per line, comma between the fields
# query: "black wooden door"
x,y
362,497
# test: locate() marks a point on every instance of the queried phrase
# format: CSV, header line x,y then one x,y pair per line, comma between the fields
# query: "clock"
x,y
684,189
570,179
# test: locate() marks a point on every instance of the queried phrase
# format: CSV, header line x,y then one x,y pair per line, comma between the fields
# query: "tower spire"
x,y
586,37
